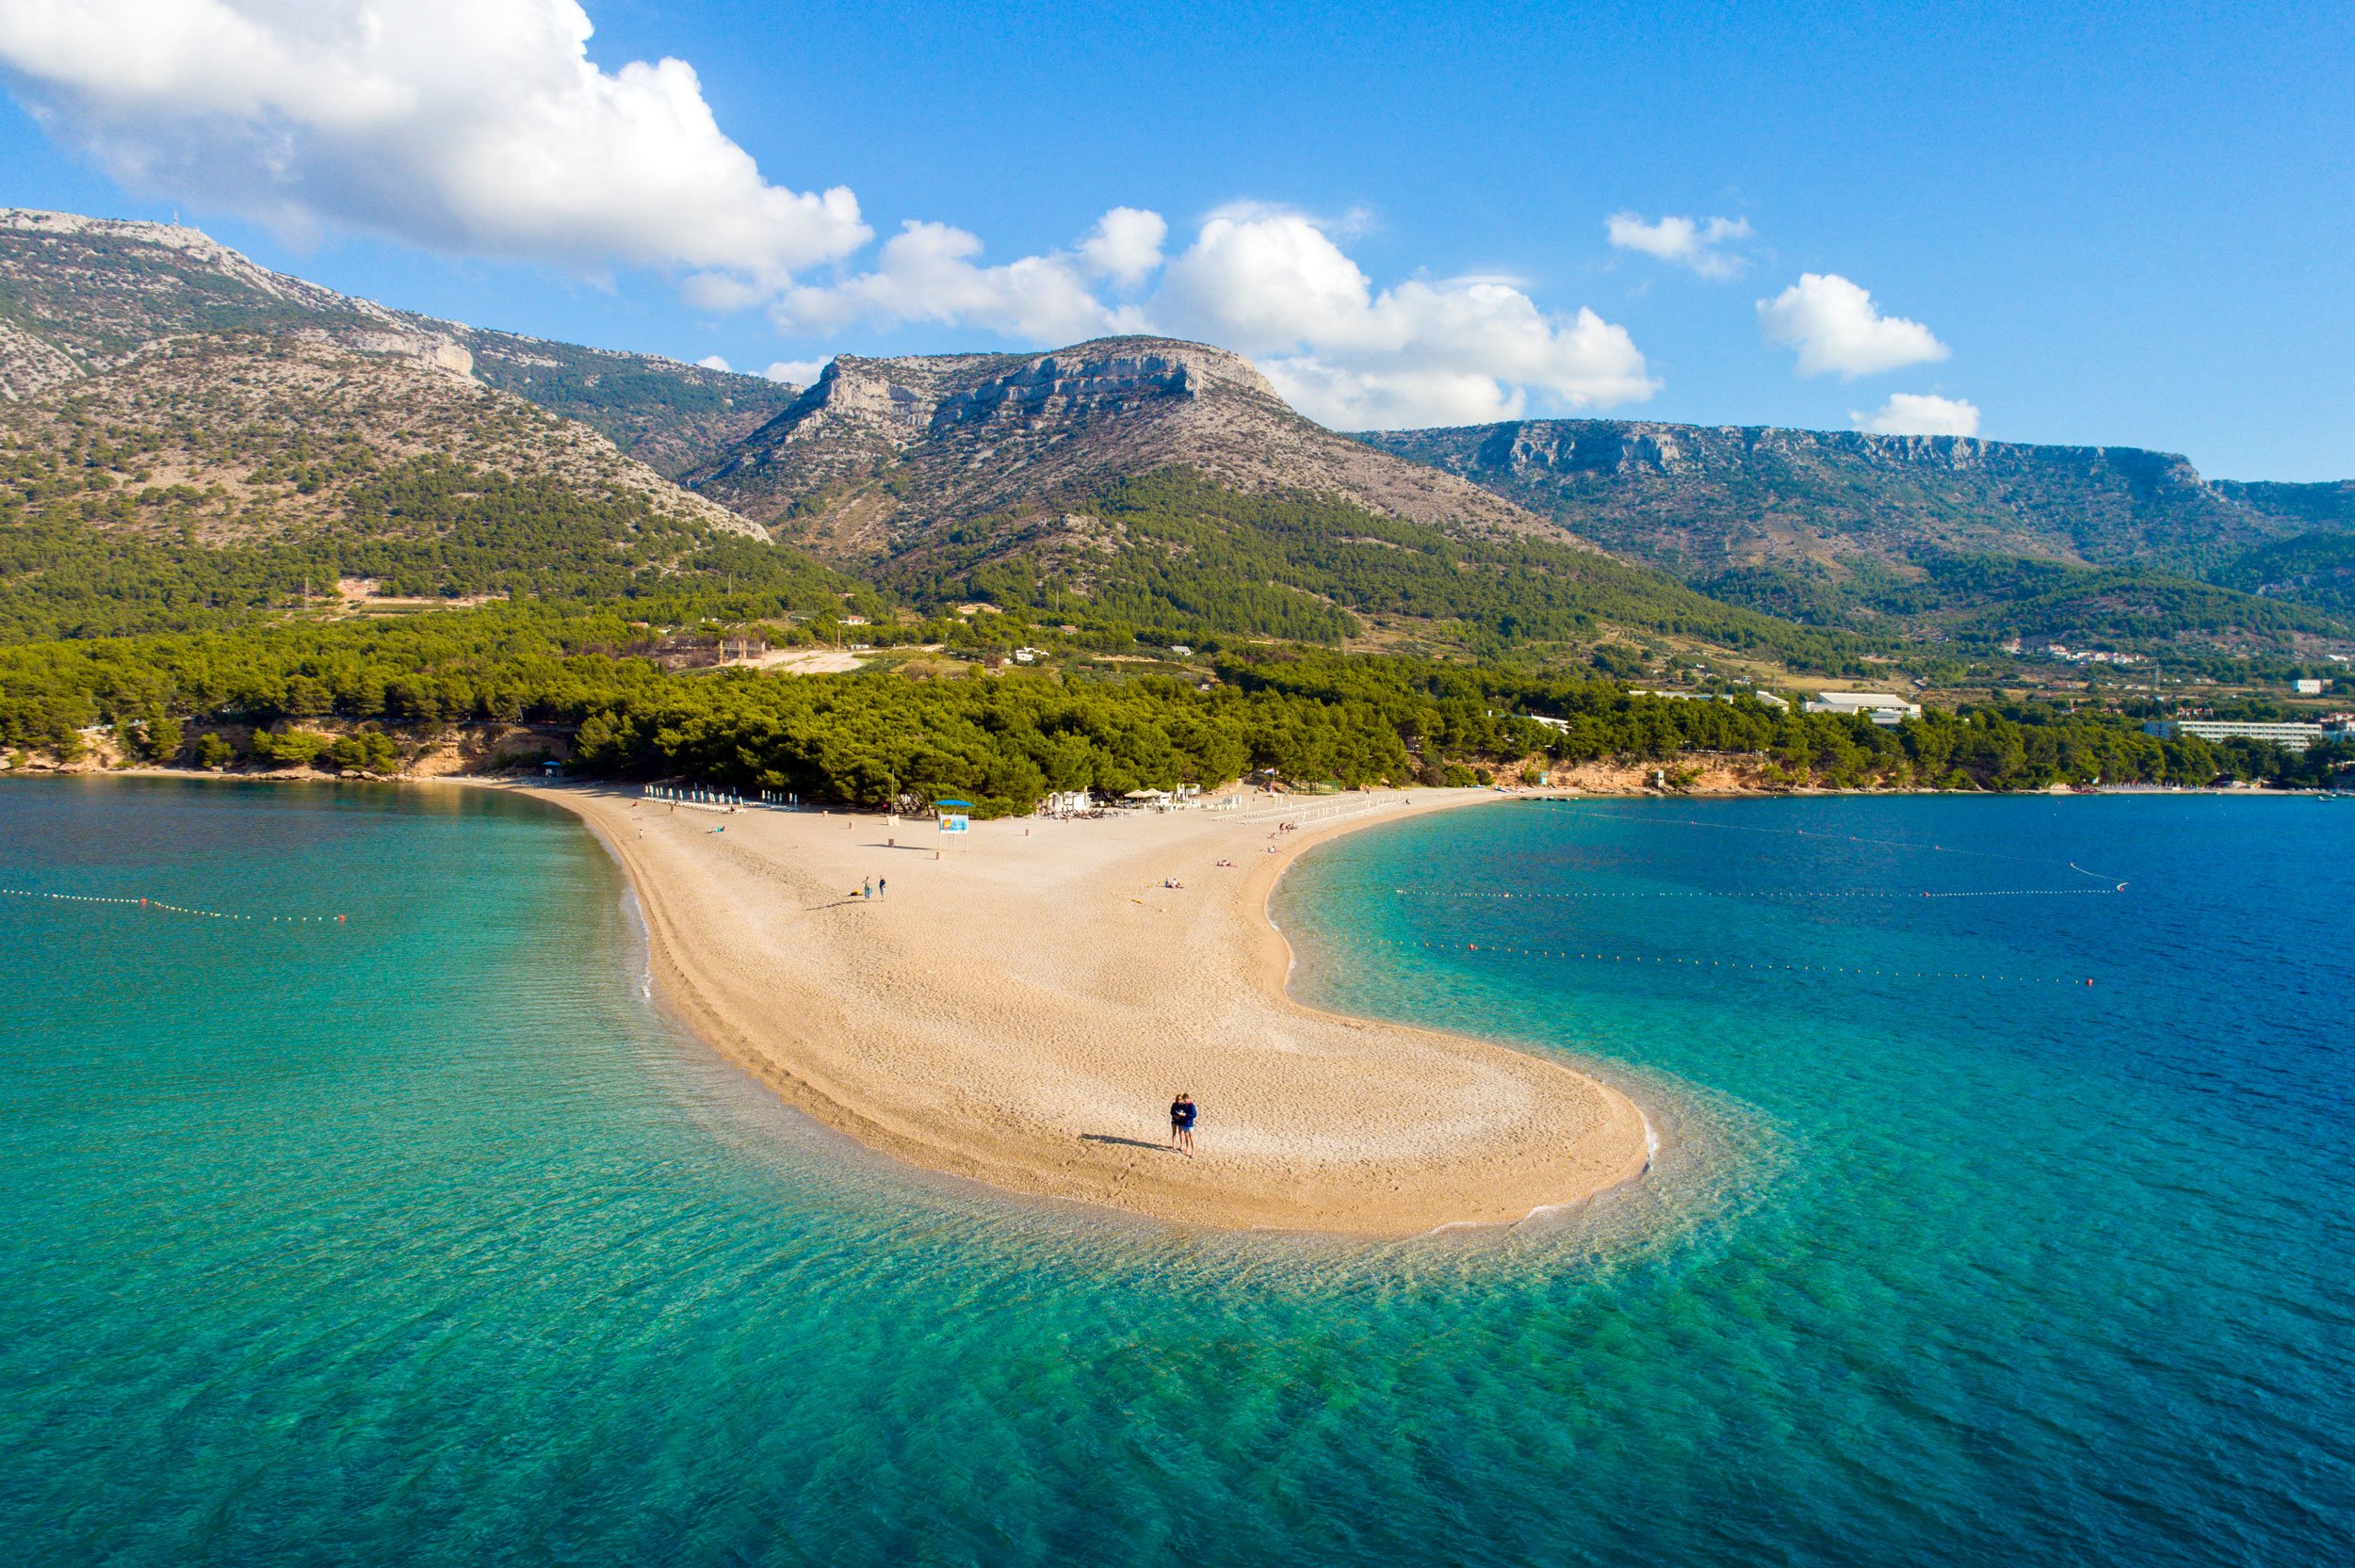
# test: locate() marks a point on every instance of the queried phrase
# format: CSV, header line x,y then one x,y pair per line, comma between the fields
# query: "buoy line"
x,y
161,907
1512,950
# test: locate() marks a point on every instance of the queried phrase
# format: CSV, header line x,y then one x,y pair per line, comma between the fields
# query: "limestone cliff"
x,y
882,450
1707,499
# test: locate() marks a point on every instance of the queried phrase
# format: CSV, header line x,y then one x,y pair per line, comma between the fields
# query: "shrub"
x,y
368,753
288,747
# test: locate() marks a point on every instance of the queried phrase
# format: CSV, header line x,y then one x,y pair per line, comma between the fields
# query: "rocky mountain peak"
x,y
881,445
909,398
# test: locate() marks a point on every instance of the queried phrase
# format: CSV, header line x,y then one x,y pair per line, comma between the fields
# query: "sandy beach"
x,y
1020,1008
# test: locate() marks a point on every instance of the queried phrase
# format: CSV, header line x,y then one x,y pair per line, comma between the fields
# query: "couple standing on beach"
x,y
1182,1111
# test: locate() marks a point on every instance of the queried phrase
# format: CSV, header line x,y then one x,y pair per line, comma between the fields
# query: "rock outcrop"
x,y
79,295
882,450
215,416
1705,499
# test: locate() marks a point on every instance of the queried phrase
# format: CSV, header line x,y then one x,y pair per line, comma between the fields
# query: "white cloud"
x,y
1919,414
1686,241
476,127
927,272
1125,245
482,127
1398,399
1267,282
1835,326
713,362
796,372
1275,284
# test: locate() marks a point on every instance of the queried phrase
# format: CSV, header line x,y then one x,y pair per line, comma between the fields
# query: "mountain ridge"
x,y
79,295
1543,462
1919,535
1033,475
873,434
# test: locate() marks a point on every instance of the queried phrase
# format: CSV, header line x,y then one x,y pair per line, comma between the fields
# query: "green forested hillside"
x,y
206,481
999,739
1176,556
1942,536
427,529
2315,569
1983,601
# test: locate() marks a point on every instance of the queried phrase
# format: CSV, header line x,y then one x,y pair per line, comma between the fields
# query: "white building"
x,y
2308,687
2290,737
1881,707
1682,696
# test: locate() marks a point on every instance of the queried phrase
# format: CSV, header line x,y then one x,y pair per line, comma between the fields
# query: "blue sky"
x,y
2081,224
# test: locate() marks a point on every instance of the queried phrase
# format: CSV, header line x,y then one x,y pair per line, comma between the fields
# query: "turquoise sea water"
x,y
422,1239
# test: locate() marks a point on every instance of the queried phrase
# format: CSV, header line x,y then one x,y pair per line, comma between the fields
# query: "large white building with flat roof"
x,y
1881,707
2290,737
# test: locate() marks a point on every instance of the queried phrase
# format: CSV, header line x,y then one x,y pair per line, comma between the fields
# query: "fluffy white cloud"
x,y
1919,414
796,372
1270,284
1276,285
927,272
1358,399
472,126
482,127
1836,328
1263,281
713,362
1686,241
1125,246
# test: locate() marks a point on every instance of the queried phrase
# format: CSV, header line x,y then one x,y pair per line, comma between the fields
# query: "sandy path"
x,y
1021,1009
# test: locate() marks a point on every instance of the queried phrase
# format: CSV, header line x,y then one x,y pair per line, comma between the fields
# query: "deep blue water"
x,y
421,1237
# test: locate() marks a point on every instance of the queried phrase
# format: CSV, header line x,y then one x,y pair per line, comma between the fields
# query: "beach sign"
x,y
951,819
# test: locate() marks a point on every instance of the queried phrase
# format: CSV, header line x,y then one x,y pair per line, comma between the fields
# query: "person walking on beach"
x,y
1182,1111
867,888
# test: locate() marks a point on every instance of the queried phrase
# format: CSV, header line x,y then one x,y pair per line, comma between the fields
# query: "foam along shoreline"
x,y
1020,1009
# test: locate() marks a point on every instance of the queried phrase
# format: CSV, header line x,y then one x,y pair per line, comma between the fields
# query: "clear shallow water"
x,y
423,1238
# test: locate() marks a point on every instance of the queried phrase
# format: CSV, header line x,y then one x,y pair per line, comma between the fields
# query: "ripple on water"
x,y
431,1243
